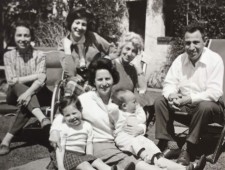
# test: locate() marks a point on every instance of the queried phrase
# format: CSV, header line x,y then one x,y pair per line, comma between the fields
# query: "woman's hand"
x,y
133,130
24,98
55,139
13,81
136,62
77,79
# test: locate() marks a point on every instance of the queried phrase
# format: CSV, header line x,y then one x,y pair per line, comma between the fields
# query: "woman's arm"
x,y
60,157
89,148
134,130
141,81
26,96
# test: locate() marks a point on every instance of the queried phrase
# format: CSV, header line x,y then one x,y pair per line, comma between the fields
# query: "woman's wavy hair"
x,y
136,40
98,63
69,100
78,13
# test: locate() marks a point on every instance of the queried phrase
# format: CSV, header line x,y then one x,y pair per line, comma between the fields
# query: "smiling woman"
x,y
80,46
25,70
22,37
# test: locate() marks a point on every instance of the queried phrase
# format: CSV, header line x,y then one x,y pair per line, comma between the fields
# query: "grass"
x,y
28,147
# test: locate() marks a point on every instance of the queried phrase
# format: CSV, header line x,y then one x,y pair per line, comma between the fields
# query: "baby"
x,y
76,139
130,113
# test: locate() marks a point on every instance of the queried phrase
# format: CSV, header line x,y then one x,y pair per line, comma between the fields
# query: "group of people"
x,y
101,124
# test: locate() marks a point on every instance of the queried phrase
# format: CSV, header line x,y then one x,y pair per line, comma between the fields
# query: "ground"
x,y
27,148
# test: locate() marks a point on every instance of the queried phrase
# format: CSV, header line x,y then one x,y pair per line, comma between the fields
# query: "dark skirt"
x,y
73,159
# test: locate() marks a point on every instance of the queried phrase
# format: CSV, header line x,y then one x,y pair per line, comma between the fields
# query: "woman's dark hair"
x,y
77,13
22,23
70,100
102,63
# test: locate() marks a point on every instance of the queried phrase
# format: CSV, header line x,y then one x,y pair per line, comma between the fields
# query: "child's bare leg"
x,y
85,166
100,165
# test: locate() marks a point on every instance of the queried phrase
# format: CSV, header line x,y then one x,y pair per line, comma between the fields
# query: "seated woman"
x,y
130,65
26,74
96,112
80,46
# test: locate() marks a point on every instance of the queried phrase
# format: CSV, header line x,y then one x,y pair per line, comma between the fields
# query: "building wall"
x,y
155,28
155,52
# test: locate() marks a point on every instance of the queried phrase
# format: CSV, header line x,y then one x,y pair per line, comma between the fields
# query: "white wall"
x,y
155,27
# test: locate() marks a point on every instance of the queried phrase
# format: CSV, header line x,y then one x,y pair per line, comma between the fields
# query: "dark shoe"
x,y
171,153
130,166
190,167
114,167
45,122
184,158
162,144
4,150
201,163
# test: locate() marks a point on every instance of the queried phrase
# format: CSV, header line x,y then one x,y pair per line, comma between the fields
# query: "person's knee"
x,y
84,166
159,101
206,106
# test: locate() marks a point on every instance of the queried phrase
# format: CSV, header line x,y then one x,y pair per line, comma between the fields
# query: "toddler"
x,y
76,151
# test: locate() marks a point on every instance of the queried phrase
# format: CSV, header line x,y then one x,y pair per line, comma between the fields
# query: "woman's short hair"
x,y
70,100
23,23
102,63
132,37
78,13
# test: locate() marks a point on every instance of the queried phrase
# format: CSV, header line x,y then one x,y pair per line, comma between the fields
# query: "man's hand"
x,y
134,130
184,100
172,98
55,139
24,98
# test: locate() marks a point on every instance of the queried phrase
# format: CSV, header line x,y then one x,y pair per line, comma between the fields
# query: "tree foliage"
x,y
211,13
44,13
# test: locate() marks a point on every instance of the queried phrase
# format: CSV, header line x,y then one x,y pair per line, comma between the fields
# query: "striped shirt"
x,y
20,65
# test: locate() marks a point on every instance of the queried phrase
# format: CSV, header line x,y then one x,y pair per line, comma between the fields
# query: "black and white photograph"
x,y
112,85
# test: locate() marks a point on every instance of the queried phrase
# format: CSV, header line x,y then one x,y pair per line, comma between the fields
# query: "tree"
x,y
48,17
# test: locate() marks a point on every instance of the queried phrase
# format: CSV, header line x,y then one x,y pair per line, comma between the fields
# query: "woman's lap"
x,y
110,154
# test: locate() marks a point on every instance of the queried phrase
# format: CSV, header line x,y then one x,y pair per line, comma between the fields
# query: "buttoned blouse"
x,y
19,65
203,82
